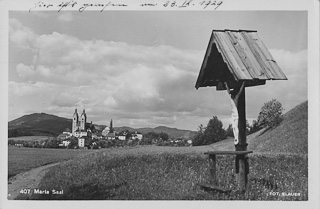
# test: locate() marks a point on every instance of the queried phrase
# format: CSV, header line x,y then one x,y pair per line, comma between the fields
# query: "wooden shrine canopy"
x,y
235,55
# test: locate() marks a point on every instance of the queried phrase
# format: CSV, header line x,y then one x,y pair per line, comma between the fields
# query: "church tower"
x,y
75,121
83,120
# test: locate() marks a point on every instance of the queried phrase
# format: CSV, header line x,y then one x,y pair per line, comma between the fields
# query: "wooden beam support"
x,y
241,160
212,166
242,146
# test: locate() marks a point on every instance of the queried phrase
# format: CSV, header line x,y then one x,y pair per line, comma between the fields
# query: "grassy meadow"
x,y
168,176
24,159
278,169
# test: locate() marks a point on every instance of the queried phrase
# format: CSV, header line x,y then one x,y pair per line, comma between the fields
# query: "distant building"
x,y
111,136
79,124
64,136
94,136
122,135
99,135
137,135
65,143
81,142
67,131
80,133
109,132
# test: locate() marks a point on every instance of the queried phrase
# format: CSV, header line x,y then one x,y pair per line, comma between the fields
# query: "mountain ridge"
x,y
43,123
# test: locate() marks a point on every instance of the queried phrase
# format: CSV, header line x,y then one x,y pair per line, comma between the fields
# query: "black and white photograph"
x,y
170,101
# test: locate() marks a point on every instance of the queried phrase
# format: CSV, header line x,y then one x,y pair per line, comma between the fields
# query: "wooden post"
x,y
212,166
242,146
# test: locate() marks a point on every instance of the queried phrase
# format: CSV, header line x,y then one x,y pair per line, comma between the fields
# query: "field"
x,y
278,169
29,138
23,159
164,173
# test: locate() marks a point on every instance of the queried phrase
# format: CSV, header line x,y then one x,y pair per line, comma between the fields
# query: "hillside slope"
x,y
291,136
41,124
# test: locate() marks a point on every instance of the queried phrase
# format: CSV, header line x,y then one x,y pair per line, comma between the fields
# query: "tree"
x,y
73,142
214,132
164,136
197,139
152,135
270,114
229,131
11,142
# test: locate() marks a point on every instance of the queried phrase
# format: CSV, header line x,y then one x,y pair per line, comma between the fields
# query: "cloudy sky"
x,y
140,68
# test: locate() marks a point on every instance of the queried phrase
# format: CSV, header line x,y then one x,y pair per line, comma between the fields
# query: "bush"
x,y
146,141
270,114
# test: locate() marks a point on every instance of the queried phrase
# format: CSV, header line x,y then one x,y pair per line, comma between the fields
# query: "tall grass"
x,y
100,176
23,159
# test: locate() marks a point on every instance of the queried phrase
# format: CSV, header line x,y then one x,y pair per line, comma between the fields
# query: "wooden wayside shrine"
x,y
234,57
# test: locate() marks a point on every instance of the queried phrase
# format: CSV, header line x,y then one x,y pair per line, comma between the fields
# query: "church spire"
x,y
111,127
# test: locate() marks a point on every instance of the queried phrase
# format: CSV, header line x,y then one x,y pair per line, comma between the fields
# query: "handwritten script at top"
x,y
74,5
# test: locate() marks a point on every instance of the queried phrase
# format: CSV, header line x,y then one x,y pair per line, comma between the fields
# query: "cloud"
x,y
25,71
136,85
289,92
20,89
292,63
65,100
20,35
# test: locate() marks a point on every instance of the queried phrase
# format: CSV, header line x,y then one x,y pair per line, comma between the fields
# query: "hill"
x,y
172,132
51,125
291,136
39,124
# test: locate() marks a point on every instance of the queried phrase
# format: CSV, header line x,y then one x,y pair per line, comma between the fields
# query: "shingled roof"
x,y
234,55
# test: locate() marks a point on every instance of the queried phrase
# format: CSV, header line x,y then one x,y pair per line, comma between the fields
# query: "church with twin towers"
x,y
79,124
80,127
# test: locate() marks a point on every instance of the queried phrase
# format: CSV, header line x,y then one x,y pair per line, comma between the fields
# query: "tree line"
x,y
16,132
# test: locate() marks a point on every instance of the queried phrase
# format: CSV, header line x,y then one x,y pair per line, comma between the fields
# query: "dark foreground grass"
x,y
172,177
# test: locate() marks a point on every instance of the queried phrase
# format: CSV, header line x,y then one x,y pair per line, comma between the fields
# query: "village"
x,y
85,135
